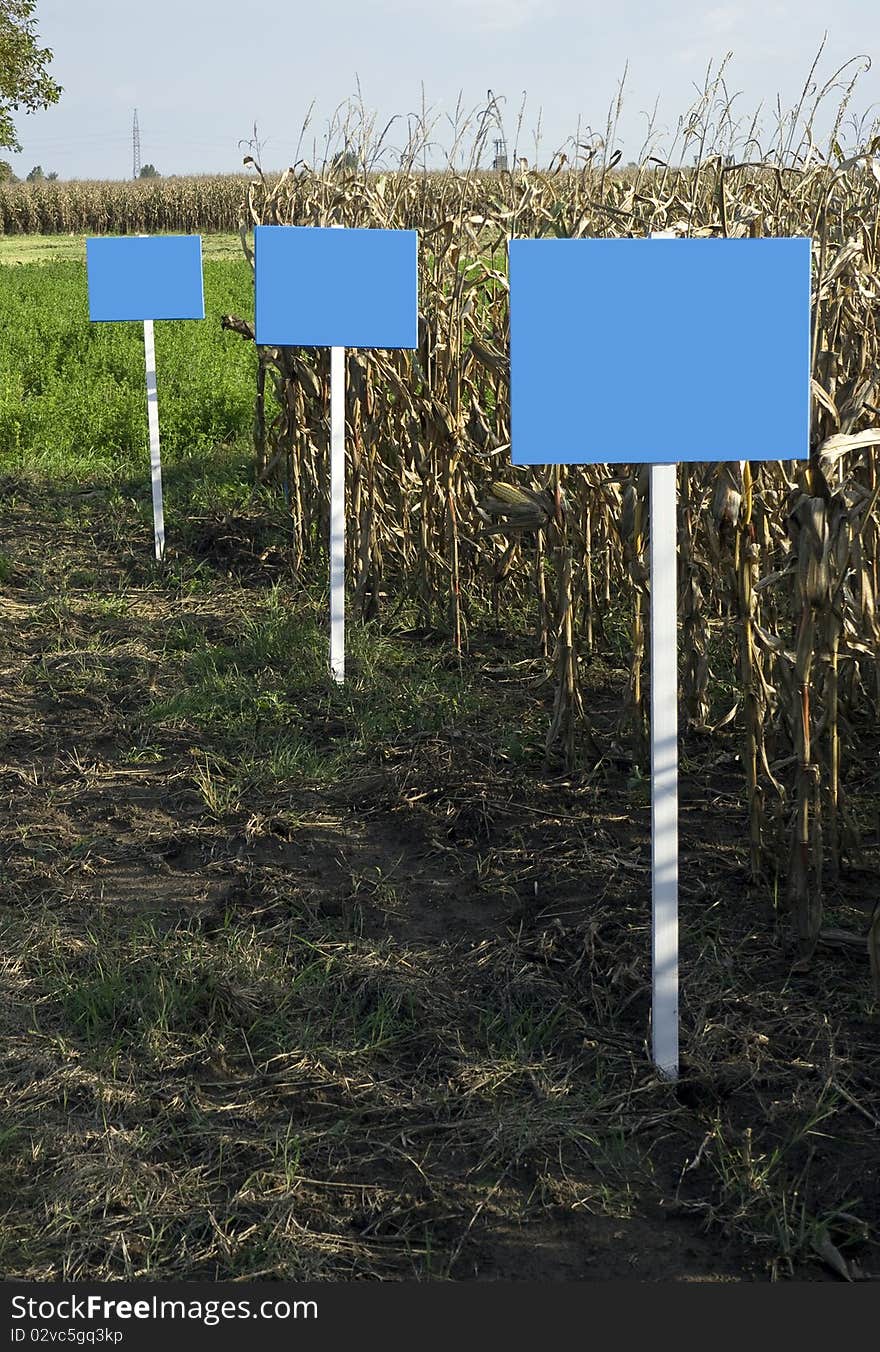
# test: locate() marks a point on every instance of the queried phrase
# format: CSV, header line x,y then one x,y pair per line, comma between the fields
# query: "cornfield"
x,y
778,560
187,205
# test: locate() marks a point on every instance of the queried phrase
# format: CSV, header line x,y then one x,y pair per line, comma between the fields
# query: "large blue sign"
x,y
326,287
152,277
658,350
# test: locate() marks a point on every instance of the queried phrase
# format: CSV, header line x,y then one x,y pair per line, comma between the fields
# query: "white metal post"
x,y
337,513
155,458
664,767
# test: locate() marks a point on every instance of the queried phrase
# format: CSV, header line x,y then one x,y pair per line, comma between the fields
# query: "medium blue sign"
x,y
659,350
145,277
327,287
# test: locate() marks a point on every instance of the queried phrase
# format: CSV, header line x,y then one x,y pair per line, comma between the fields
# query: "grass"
x,y
264,716
72,401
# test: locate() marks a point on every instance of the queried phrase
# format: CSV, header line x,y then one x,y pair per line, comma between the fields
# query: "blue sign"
x,y
326,287
151,277
658,350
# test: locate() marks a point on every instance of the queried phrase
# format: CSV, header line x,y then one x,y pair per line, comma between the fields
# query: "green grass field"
x,y
72,397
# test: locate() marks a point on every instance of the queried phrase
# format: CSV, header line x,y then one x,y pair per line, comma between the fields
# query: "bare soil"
x,y
396,1026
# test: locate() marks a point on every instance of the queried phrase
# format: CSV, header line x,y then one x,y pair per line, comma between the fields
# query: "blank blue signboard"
x,y
658,350
155,277
326,287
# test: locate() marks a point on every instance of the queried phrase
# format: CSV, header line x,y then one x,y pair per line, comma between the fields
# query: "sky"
x,y
203,73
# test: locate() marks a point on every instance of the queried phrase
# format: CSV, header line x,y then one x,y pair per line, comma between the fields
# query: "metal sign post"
x,y
635,319
155,455
337,513
664,768
663,567
335,287
142,277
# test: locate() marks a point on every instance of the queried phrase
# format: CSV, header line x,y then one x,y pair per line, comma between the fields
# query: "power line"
x,y
96,143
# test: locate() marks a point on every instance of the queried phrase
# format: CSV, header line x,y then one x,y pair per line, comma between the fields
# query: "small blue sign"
x,y
659,350
328,287
145,277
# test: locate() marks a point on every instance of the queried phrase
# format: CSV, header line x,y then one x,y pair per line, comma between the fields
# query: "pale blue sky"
x,y
200,72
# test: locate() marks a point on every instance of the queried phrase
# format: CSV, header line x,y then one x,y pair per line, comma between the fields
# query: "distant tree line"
x,y
36,175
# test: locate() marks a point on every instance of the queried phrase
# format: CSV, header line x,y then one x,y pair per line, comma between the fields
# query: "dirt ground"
x,y
394,1026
